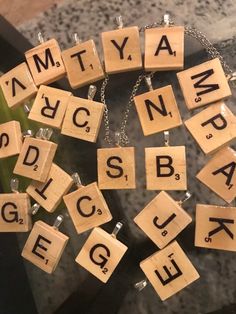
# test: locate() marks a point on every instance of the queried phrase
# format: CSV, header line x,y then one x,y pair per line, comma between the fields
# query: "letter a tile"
x,y
101,254
157,110
169,270
219,174
204,84
215,227
162,219
87,208
45,62
35,159
213,127
10,139
49,106
44,246
116,168
121,50
166,168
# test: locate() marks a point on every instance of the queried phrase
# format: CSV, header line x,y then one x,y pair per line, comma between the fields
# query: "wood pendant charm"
x,y
87,208
49,106
169,270
10,139
44,246
162,219
166,168
18,85
50,193
83,119
15,212
121,50
204,84
158,110
215,227
116,168
219,174
101,254
45,62
82,64
213,127
164,48
35,159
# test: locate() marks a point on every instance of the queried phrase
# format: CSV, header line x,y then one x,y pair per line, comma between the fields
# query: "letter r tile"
x,y
44,246
204,84
49,106
169,270
101,254
215,227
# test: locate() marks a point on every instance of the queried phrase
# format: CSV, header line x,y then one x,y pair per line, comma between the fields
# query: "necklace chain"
x,y
122,136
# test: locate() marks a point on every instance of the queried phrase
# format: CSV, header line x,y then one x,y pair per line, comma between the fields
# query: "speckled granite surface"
x,y
216,287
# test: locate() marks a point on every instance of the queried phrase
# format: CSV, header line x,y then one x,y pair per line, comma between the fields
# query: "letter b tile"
x,y
169,270
101,254
44,246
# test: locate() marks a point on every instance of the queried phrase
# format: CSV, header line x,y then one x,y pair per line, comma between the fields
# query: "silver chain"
x,y
198,35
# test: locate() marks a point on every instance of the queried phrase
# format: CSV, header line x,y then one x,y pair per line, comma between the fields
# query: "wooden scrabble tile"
x,y
87,208
18,85
121,50
49,106
169,270
15,212
45,62
215,227
83,119
158,110
164,48
204,84
50,193
44,246
101,254
10,139
82,64
166,168
116,168
35,159
162,219
219,174
213,127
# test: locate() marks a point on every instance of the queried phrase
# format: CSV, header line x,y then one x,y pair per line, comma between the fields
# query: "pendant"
x,y
10,139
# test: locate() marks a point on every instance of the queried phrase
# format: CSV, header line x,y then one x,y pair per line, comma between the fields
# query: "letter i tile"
x,y
45,246
169,270
101,254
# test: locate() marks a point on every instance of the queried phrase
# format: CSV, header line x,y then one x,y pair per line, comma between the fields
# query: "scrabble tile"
x,y
87,208
121,49
213,127
49,106
166,168
169,270
10,139
50,193
83,119
45,62
204,84
164,48
219,174
35,159
162,219
44,246
158,110
116,168
82,64
18,85
101,254
215,227
15,212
